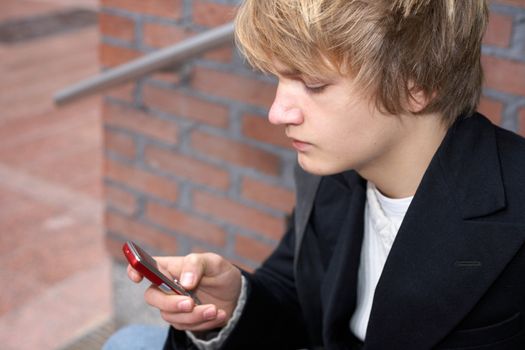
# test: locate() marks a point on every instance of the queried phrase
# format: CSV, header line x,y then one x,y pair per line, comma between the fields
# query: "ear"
x,y
417,99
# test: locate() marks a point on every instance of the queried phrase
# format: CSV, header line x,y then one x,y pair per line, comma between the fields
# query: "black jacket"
x,y
454,279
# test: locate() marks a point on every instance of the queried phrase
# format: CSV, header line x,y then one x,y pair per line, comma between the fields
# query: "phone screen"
x,y
147,266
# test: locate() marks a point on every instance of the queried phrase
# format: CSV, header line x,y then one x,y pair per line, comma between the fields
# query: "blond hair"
x,y
392,48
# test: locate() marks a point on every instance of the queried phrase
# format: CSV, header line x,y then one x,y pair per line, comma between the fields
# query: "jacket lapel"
x,y
447,251
338,289
308,185
328,294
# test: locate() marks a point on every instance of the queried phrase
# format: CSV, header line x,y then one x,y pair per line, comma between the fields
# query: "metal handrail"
x,y
154,61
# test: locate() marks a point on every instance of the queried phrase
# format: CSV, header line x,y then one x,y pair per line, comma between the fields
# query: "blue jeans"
x,y
137,337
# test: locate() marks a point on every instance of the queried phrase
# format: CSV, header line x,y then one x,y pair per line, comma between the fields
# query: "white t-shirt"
x,y
383,217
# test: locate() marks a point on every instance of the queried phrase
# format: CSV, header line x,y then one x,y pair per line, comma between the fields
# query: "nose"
x,y
285,109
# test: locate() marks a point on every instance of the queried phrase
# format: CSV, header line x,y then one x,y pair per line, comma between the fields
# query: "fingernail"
x,y
185,305
210,313
187,279
221,315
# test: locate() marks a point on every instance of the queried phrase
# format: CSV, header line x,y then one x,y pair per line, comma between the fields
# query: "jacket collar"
x,y
469,159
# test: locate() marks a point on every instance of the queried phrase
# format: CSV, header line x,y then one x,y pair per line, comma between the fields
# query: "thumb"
x,y
193,267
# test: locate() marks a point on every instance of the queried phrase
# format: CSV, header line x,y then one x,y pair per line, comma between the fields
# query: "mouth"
x,y
300,146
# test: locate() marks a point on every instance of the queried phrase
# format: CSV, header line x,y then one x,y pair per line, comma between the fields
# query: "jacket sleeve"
x,y
272,316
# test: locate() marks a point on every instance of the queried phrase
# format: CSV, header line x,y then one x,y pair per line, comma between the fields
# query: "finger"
x,y
133,274
170,303
201,317
172,264
193,267
219,322
200,314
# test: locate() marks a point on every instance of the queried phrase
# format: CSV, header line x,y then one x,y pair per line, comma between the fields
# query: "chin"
x,y
317,167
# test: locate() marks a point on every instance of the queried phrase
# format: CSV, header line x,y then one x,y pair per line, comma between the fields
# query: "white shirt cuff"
x,y
218,338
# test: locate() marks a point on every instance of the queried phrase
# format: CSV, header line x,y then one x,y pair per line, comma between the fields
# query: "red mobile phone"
x,y
147,266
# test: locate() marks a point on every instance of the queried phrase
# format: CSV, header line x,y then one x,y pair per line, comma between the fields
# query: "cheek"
x,y
357,136
349,129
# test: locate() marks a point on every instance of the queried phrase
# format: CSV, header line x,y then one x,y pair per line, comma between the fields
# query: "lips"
x,y
300,146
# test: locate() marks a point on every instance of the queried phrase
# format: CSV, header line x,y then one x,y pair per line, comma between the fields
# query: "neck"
x,y
397,173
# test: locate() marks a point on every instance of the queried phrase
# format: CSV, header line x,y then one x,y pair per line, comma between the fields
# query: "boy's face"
x,y
332,125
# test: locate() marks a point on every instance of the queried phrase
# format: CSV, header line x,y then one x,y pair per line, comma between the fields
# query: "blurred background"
x,y
179,160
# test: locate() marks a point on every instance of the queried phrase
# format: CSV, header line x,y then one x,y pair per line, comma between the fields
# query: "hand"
x,y
217,284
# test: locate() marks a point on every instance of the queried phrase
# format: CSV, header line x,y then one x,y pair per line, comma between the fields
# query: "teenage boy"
x,y
409,226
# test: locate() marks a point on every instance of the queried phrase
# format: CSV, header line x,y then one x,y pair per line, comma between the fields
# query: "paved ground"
x,y
54,275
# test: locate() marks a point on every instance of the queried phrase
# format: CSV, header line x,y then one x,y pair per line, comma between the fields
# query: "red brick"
x,y
238,214
122,92
233,87
199,249
179,104
114,248
161,8
141,180
187,167
139,122
252,249
491,108
110,56
235,152
521,117
119,143
116,26
499,30
520,3
186,224
261,130
275,197
142,233
120,199
221,54
210,14
504,75
160,35
169,77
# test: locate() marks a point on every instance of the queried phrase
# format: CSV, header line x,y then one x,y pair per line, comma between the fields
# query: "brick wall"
x,y
504,63
191,163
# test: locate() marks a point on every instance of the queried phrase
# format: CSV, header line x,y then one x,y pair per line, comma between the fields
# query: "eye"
x,y
314,87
